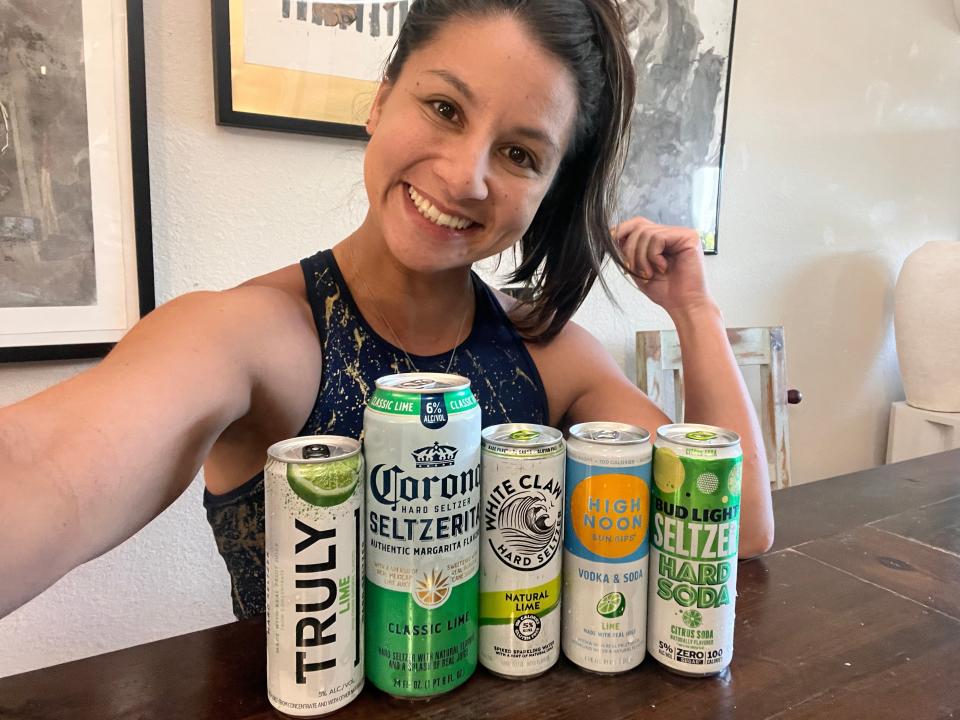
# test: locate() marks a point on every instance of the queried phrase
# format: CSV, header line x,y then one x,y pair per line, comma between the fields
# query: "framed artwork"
x,y
76,258
682,52
299,66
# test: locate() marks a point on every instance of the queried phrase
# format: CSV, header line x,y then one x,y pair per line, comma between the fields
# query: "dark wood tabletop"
x,y
855,613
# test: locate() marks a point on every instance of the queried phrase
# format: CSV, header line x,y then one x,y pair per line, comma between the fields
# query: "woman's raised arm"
x,y
667,265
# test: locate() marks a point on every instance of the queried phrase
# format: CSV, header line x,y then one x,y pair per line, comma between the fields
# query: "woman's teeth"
x,y
427,209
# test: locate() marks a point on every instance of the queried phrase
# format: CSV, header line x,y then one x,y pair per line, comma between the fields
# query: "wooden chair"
x,y
658,358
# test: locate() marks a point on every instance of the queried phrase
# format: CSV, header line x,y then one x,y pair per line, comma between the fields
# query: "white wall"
x,y
843,154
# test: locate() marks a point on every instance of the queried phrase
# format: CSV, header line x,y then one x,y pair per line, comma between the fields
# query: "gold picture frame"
x,y
295,69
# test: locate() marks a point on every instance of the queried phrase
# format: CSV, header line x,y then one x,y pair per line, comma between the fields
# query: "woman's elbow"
x,y
757,543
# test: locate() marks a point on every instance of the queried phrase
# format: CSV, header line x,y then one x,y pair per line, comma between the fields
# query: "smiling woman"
x,y
576,93
498,124
451,146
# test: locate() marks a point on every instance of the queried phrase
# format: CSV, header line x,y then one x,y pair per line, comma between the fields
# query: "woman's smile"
x,y
437,215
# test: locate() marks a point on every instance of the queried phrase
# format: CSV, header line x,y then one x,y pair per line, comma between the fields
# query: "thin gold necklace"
x,y
396,336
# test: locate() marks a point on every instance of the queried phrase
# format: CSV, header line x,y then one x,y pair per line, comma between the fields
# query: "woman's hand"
x,y
666,262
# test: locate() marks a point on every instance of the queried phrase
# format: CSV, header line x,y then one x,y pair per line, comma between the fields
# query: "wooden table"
x,y
855,613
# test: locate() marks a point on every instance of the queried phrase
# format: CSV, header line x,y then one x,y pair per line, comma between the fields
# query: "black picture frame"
x,y
228,65
140,212
714,249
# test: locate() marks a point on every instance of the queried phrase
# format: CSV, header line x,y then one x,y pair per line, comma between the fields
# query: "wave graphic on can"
x,y
526,523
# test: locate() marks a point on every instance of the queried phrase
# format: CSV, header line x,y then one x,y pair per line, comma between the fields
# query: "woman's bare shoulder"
x,y
274,304
288,279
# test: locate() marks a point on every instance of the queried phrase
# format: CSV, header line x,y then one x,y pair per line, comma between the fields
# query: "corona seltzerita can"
x,y
422,450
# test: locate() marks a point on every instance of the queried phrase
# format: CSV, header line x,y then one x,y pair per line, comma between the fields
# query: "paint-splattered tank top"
x,y
493,357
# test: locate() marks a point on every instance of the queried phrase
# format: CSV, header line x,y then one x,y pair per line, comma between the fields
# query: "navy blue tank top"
x,y
494,358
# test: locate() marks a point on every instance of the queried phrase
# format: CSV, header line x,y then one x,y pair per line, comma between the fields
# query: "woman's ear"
x,y
382,92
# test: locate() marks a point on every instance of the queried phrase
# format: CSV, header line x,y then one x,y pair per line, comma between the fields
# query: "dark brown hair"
x,y
564,248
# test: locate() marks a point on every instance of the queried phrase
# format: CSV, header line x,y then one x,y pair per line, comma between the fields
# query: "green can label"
x,y
422,534
694,544
419,651
401,403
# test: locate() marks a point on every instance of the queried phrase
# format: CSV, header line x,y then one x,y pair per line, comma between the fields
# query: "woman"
x,y
498,122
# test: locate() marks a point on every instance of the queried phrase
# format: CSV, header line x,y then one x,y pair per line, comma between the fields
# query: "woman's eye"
x,y
519,156
445,109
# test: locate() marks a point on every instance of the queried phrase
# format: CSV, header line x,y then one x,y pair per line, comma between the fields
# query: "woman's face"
x,y
465,143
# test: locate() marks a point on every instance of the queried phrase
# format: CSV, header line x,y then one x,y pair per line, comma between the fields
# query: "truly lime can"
x,y
422,450
520,549
697,472
314,567
605,546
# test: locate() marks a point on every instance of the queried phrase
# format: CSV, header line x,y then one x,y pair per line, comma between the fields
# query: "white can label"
x,y
520,562
605,565
314,567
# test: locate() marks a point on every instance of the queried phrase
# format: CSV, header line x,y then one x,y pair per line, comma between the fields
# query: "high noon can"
x,y
520,549
605,546
697,472
422,449
314,563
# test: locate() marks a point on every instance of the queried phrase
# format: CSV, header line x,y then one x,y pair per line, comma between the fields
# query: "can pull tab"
x,y
312,452
606,435
418,384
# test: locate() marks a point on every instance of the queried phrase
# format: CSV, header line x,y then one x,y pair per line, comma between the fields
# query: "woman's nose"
x,y
464,170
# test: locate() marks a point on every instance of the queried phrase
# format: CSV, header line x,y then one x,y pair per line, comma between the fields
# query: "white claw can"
x,y
520,549
605,546
314,567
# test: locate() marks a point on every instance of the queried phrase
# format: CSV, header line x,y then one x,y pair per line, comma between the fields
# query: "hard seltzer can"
x,y
422,449
605,546
314,564
697,472
520,549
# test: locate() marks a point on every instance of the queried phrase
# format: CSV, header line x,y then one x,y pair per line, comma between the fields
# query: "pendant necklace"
x,y
396,336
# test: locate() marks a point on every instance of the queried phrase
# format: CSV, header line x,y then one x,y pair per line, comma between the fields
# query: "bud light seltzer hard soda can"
x,y
422,449
314,563
605,546
520,549
697,472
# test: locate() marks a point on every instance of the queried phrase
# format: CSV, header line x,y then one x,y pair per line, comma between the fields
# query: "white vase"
x,y
926,319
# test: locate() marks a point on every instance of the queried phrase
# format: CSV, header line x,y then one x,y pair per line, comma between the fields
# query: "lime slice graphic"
x,y
325,484
432,589
692,618
524,435
701,435
733,479
667,470
707,483
611,605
